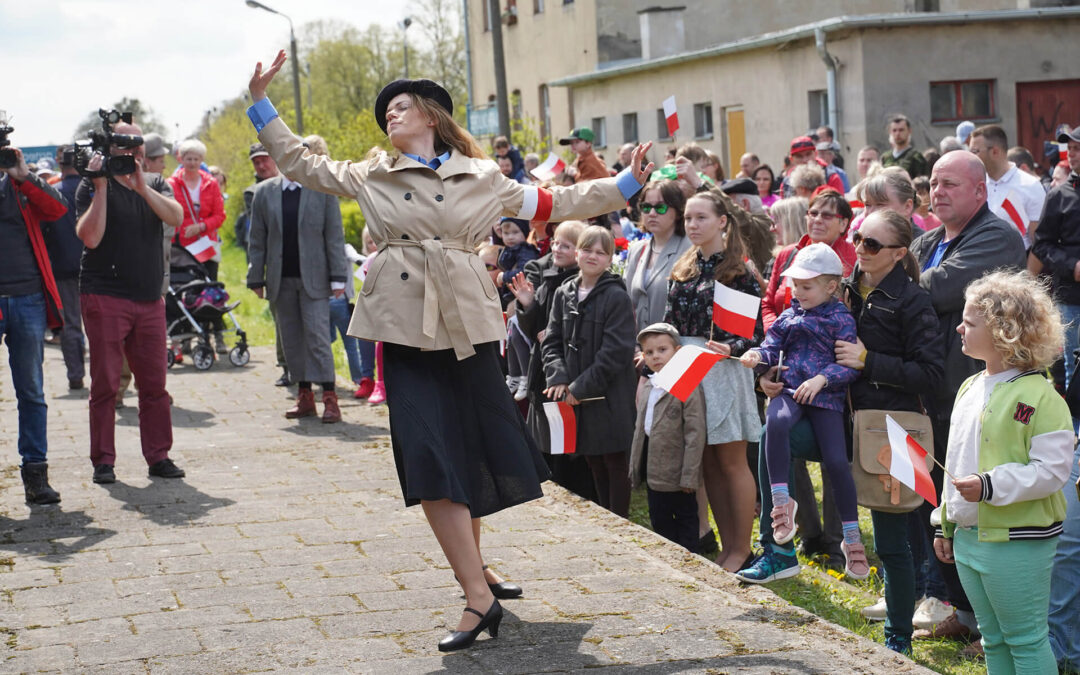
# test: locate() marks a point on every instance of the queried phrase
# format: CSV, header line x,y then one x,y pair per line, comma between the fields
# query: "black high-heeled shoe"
x,y
460,639
504,590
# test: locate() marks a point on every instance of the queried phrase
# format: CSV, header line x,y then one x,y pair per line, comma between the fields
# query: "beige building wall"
x,y
881,71
539,48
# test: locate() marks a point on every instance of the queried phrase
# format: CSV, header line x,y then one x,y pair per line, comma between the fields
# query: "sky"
x,y
65,58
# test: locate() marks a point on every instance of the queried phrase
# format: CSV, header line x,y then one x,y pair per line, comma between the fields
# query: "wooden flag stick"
x,y
930,454
594,398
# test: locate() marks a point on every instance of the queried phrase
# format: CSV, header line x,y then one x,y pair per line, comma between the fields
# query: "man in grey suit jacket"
x,y
296,259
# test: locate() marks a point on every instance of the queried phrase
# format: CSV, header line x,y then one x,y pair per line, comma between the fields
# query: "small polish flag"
x,y
671,115
685,371
1063,152
202,248
562,427
907,462
735,311
551,167
1016,213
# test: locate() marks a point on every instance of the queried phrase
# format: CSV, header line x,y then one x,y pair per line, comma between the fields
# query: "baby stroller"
x,y
194,305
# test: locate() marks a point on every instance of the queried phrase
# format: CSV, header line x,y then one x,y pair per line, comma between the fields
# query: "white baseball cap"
x,y
813,261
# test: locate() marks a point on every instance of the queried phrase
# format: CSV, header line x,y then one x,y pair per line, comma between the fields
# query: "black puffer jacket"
x,y
905,349
590,346
1057,241
545,278
986,243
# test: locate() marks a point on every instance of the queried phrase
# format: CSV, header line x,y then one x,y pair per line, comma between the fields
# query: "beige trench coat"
x,y
428,288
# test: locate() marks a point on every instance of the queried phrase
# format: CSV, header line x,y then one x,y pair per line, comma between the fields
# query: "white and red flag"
x,y
685,371
908,461
551,167
1015,209
562,427
671,114
1063,152
202,248
735,311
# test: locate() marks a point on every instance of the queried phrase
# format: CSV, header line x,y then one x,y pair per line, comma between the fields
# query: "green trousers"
x,y
1008,584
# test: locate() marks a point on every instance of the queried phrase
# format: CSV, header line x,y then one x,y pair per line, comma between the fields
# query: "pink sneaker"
x,y
783,522
367,386
378,394
857,566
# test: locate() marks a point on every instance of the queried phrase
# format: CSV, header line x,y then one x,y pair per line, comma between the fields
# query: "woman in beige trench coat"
x,y
460,446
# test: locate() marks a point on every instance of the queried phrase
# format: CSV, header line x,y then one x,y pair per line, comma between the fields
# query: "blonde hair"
x,y
593,235
448,133
570,230
1024,324
876,188
808,177
191,145
790,215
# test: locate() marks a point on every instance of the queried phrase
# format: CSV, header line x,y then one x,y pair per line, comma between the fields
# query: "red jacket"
x,y
776,298
211,206
39,202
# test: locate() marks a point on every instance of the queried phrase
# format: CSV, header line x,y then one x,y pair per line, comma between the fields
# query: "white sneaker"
x,y
523,390
876,611
512,383
930,613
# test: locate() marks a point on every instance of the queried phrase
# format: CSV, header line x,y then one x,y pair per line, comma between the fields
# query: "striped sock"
x,y
851,532
780,495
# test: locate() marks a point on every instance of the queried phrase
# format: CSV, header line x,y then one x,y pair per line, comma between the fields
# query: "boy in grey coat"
x,y
669,437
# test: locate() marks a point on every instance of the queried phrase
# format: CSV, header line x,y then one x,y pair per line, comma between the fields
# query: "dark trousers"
x,y
783,413
611,473
674,516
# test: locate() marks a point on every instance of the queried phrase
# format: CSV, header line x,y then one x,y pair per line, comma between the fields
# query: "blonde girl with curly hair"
x,y
1010,448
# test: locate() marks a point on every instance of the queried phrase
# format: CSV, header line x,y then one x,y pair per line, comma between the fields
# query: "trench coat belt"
x,y
439,297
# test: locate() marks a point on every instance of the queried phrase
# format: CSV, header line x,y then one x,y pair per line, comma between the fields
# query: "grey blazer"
x,y
648,293
322,241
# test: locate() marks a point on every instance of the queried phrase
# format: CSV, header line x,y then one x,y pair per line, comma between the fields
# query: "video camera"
x,y
102,142
8,158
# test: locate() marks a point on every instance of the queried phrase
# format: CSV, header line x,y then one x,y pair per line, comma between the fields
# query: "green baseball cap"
x,y
580,134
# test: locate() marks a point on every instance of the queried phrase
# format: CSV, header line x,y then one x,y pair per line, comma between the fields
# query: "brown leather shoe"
x,y
949,628
973,651
331,412
305,405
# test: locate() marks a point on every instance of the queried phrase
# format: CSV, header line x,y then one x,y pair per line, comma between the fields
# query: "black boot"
x,y
35,478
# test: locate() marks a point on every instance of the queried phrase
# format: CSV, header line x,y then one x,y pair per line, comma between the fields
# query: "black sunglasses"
x,y
661,207
871,245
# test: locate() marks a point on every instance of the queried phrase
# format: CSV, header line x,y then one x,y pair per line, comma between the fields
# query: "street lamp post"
x,y
254,4
405,23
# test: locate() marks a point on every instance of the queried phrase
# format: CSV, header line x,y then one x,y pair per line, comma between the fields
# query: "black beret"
x,y
740,186
425,88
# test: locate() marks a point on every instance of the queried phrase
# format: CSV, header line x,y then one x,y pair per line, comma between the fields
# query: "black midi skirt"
x,y
456,431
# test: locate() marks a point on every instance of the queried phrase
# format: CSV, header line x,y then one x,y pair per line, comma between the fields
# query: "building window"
x,y
629,128
515,109
661,126
962,100
545,115
817,103
538,6
599,129
703,120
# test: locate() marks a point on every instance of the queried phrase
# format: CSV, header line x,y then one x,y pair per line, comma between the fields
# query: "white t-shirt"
x,y
965,428
1024,191
654,395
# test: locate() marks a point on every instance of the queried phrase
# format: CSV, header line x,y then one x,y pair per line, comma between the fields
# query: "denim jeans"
x,y
1070,316
891,544
359,367
23,329
1065,581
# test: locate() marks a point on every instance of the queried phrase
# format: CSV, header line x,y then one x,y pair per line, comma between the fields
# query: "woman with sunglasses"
x,y
900,356
460,446
649,261
826,222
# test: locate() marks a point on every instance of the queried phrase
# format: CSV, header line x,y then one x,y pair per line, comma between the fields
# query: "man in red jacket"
x,y
29,304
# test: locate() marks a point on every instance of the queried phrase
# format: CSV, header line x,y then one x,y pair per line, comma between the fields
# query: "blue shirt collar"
x,y
434,164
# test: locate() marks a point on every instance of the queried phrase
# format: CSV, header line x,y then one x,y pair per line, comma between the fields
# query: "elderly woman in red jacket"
x,y
826,222
204,209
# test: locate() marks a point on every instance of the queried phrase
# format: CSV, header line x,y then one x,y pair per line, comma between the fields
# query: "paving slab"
x,y
288,548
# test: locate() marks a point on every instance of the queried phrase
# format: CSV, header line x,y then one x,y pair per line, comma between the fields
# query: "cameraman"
x,y
121,222
29,302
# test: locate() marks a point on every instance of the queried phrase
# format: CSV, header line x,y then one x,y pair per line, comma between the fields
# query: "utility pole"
x,y
502,100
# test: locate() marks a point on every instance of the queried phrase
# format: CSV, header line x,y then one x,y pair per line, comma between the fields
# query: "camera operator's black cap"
x,y
425,88
739,186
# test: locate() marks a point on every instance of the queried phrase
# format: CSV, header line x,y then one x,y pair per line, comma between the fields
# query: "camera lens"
x,y
113,117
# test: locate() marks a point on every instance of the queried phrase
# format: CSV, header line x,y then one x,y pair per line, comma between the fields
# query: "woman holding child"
x,y
460,445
